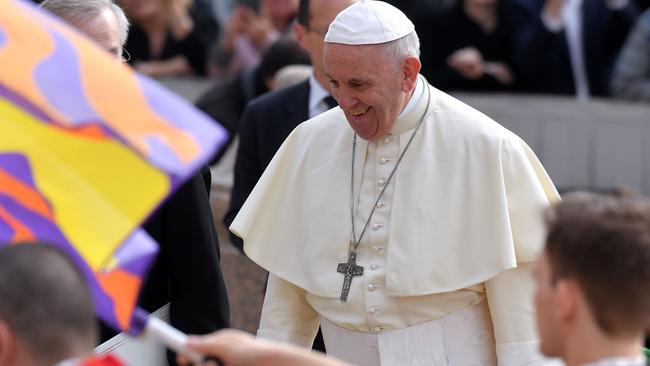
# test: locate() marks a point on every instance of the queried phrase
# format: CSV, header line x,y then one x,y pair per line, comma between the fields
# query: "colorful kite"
x,y
88,149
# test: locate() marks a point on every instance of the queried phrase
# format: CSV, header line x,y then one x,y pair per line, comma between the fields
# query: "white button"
x,y
376,330
371,287
377,226
381,182
378,249
386,140
373,266
375,310
383,161
380,204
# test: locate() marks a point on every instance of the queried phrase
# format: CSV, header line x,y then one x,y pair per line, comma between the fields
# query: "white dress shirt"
x,y
571,20
317,94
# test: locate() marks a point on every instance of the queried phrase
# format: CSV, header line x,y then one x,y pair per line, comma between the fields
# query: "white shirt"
x,y
316,95
571,21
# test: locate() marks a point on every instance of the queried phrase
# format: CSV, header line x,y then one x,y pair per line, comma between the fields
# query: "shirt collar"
x,y
316,92
412,113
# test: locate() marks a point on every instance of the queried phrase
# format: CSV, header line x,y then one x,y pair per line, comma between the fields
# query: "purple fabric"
x,y
18,166
59,79
137,253
43,228
186,117
23,104
3,37
6,232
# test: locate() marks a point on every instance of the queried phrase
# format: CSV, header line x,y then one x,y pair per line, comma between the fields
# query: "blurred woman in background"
x,y
170,37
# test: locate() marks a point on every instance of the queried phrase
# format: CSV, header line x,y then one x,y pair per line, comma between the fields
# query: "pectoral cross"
x,y
349,270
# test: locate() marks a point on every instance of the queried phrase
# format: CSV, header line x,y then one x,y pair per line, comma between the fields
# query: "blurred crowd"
x,y
573,47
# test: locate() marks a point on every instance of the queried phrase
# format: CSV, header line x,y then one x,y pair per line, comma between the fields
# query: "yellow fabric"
x,y
96,217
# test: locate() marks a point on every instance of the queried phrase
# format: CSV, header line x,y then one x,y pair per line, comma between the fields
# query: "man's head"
x,y
594,274
371,59
101,20
313,19
46,314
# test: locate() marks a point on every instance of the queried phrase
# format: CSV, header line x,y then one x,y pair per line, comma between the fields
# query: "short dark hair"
x,y
283,52
45,302
303,16
603,242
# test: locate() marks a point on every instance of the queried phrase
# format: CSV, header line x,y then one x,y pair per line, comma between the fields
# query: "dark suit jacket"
x,y
266,123
186,272
542,57
225,102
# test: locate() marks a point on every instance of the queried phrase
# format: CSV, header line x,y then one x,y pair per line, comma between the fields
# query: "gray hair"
x,y
78,11
400,49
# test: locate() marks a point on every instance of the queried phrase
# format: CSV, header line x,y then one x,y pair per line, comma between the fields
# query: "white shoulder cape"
x,y
467,204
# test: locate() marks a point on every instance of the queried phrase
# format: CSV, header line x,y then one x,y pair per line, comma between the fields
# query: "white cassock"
x,y
447,254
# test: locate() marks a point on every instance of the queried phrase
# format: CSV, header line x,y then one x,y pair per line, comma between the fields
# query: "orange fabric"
x,y
24,195
21,232
121,286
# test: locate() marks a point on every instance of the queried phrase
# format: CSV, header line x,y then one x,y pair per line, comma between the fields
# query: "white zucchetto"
x,y
369,22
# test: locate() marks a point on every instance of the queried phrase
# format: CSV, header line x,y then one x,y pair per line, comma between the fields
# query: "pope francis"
x,y
403,222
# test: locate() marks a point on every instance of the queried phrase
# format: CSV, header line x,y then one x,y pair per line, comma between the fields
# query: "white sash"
x,y
462,338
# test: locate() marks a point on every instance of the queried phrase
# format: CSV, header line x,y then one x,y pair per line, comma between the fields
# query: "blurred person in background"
x,y
466,47
225,102
569,46
631,79
186,274
170,37
101,20
252,28
268,120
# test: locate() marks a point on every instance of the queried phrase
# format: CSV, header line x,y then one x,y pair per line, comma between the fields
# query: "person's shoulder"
x,y
455,116
327,125
277,99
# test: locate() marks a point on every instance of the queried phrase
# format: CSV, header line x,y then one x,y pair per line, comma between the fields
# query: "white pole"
x,y
170,337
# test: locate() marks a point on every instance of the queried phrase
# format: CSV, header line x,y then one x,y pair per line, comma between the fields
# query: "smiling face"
x,y
371,88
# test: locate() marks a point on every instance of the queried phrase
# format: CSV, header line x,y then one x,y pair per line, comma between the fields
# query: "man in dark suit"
x,y
569,46
225,102
186,272
269,119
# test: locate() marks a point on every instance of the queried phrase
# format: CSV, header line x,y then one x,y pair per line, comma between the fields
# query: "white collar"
x,y
415,97
408,119
316,92
619,361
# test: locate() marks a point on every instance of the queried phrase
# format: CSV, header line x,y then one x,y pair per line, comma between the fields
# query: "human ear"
x,y
565,300
300,32
411,69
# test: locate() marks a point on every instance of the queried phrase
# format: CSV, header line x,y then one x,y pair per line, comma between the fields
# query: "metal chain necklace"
x,y
351,269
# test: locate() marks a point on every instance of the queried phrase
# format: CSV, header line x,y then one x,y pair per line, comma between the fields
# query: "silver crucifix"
x,y
349,270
